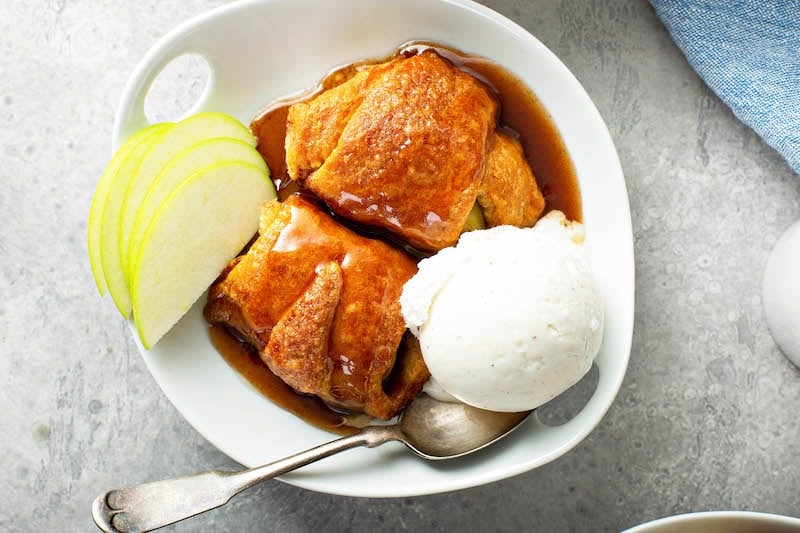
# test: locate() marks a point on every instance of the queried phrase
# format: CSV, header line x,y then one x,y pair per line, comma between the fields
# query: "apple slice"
x,y
183,165
101,192
186,133
109,223
200,227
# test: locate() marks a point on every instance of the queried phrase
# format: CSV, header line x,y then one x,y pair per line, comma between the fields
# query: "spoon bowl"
x,y
431,429
438,430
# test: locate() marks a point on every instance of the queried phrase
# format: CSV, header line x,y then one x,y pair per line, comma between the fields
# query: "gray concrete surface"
x,y
707,417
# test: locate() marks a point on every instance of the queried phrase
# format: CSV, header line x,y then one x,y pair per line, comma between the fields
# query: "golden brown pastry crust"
x,y
508,193
321,305
401,145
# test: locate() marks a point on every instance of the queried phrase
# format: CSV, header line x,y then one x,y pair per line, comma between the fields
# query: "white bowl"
x,y
261,51
721,522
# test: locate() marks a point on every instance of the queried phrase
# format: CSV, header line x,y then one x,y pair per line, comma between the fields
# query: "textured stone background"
x,y
707,415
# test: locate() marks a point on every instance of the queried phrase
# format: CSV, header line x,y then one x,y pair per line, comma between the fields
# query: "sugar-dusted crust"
x,y
401,145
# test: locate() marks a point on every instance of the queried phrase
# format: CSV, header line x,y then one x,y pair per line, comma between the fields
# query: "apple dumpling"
x,y
320,303
409,145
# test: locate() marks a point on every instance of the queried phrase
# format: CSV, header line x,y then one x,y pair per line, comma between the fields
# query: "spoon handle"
x,y
140,508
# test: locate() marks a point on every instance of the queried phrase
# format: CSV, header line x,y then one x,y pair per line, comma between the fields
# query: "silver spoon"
x,y
431,429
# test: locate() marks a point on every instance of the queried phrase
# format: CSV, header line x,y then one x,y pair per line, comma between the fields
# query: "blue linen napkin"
x,y
748,52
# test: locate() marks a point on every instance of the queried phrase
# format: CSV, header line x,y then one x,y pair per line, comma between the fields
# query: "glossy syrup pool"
x,y
521,114
246,361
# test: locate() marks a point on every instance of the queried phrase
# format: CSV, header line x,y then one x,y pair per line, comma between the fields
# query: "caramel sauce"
x,y
521,115
244,359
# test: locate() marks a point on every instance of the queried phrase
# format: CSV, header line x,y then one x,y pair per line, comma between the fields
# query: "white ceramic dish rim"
x,y
217,401
718,519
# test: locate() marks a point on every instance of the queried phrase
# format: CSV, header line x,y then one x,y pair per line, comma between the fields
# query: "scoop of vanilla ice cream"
x,y
509,318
